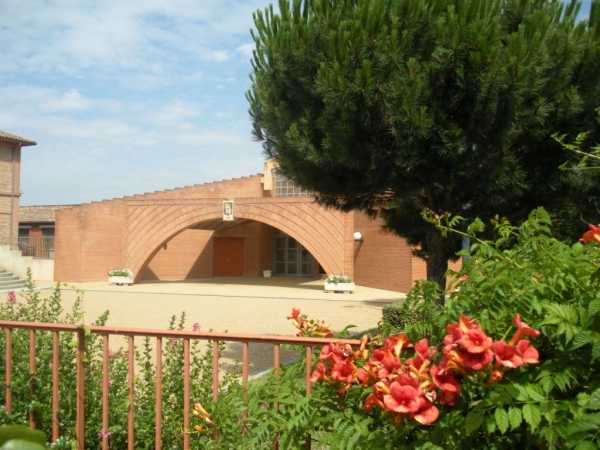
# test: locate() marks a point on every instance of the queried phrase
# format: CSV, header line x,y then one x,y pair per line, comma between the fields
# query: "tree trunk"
x,y
437,262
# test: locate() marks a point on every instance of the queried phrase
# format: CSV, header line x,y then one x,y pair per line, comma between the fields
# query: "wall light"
x,y
357,236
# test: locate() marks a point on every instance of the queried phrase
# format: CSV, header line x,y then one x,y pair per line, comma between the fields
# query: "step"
x,y
8,284
8,276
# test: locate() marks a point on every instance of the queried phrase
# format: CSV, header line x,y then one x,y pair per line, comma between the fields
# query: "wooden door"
x,y
228,260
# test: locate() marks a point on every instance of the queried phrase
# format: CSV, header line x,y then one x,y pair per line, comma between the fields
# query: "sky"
x,y
127,96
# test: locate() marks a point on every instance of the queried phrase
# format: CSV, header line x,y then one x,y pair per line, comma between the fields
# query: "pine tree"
x,y
396,106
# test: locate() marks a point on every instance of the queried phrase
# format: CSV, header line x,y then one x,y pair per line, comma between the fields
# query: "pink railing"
x,y
131,333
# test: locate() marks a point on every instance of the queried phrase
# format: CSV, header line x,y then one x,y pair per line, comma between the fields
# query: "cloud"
x,y
126,97
246,49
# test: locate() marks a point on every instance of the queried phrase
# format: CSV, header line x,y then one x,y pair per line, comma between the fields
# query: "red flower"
x,y
527,352
448,398
427,413
320,373
495,376
444,379
591,235
295,314
475,341
372,401
457,330
522,330
476,361
397,344
402,398
506,355
342,372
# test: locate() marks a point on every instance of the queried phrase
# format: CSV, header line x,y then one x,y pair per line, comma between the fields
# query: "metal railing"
x,y
131,333
37,246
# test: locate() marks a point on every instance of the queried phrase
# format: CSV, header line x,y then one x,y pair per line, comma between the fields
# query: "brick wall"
x,y
10,166
381,259
89,241
187,256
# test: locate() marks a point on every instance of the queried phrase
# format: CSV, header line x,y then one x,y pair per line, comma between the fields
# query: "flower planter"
x,y
339,287
120,280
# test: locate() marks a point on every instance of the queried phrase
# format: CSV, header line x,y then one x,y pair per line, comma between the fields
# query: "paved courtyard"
x,y
236,305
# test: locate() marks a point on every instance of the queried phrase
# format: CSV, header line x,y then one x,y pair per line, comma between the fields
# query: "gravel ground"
x,y
247,305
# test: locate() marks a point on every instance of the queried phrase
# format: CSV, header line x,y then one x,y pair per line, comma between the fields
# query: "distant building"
x,y
36,230
247,226
10,172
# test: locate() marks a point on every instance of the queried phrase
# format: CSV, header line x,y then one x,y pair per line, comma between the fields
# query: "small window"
x,y
284,187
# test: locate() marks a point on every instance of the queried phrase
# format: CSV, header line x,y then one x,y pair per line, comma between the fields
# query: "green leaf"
x,y
21,432
490,424
531,414
514,417
586,445
594,400
594,308
21,444
535,393
473,421
501,420
584,424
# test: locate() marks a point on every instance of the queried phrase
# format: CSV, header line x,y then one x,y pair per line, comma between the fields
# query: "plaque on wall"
x,y
228,211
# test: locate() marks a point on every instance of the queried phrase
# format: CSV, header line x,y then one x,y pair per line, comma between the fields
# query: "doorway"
x,y
290,258
228,259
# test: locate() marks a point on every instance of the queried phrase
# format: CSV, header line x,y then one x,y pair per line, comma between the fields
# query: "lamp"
x,y
357,236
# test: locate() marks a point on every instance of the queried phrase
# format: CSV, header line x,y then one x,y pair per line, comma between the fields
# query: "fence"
x,y
37,246
131,333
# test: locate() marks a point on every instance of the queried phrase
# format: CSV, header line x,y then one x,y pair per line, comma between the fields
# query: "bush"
x,y
554,405
418,315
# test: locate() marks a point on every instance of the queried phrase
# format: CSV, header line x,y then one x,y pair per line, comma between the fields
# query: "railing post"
x,y
80,390
308,386
55,384
158,396
186,394
8,372
215,370
32,370
131,383
105,390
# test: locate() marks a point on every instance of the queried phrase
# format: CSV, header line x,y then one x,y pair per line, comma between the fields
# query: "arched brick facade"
x,y
134,232
320,231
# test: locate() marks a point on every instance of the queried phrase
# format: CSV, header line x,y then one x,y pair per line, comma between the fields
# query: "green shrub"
x,y
418,315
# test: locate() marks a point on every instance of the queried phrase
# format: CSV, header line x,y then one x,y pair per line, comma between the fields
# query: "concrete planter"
x,y
339,287
267,274
120,281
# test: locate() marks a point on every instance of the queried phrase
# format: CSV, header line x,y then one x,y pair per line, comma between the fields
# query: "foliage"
x,y
555,286
553,405
20,437
120,273
335,279
418,315
392,106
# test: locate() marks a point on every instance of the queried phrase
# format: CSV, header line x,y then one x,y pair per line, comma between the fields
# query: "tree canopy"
x,y
396,106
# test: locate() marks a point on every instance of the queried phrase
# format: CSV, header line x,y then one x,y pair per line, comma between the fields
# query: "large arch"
x,y
319,230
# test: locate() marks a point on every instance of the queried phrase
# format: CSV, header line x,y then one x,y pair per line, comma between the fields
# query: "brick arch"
x,y
318,230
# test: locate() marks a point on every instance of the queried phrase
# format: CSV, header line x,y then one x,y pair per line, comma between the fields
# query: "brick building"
x,y
10,172
36,230
238,227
